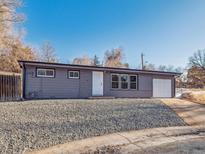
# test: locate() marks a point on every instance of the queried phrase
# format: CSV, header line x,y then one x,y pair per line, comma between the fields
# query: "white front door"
x,y
97,84
162,88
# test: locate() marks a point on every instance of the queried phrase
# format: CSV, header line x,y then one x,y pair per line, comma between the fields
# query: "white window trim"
x,y
119,82
45,76
71,77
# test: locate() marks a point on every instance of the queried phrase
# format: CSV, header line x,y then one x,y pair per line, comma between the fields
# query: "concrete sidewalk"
x,y
126,142
192,113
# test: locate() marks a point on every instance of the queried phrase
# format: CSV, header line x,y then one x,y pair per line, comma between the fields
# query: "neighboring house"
x,y
56,80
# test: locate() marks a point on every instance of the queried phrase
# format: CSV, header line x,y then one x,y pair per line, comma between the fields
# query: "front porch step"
x,y
101,97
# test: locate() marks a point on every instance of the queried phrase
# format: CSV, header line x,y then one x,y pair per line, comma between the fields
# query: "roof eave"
x,y
36,63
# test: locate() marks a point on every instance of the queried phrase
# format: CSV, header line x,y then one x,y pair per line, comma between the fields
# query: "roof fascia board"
x,y
98,69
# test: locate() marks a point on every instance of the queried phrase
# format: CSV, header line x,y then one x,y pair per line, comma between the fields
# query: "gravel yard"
x,y
43,123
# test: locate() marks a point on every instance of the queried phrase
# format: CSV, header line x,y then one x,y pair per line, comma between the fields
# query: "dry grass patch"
x,y
195,96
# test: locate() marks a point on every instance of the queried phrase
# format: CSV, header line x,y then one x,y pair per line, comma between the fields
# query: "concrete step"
x,y
101,97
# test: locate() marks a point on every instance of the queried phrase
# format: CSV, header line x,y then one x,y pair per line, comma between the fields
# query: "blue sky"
x,y
168,32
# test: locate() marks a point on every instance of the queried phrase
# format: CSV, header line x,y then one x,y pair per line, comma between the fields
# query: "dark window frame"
x,y
69,77
115,81
136,82
122,82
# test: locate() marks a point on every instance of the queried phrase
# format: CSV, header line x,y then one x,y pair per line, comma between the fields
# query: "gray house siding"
x,y
144,87
58,87
62,87
145,83
85,84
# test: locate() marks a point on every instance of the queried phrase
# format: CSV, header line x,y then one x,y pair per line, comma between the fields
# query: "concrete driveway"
x,y
192,113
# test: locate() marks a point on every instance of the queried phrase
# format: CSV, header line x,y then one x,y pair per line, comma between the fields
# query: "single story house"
x,y
56,80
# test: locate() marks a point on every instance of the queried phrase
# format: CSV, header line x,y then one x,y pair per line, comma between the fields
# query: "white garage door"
x,y
162,88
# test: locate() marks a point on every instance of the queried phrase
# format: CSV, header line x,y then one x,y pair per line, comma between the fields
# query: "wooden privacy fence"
x,y
10,87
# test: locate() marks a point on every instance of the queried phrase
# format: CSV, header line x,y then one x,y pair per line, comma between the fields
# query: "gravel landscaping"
x,y
43,123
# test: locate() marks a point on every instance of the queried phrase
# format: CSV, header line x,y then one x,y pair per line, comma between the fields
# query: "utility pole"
x,y
142,60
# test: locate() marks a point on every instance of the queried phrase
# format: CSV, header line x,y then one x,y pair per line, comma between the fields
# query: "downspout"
x,y
174,95
24,82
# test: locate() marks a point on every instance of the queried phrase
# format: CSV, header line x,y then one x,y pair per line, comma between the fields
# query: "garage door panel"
x,y
162,88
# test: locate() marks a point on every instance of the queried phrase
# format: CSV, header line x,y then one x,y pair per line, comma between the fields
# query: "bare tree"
x,y
8,17
196,77
162,68
196,71
85,60
149,66
96,61
15,51
114,58
48,53
8,11
12,47
179,70
198,59
170,68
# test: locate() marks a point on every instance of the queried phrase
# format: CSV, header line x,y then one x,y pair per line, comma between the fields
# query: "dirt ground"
x,y
195,96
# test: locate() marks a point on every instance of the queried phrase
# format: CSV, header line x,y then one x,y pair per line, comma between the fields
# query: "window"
x,y
124,81
73,74
42,72
115,81
133,82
